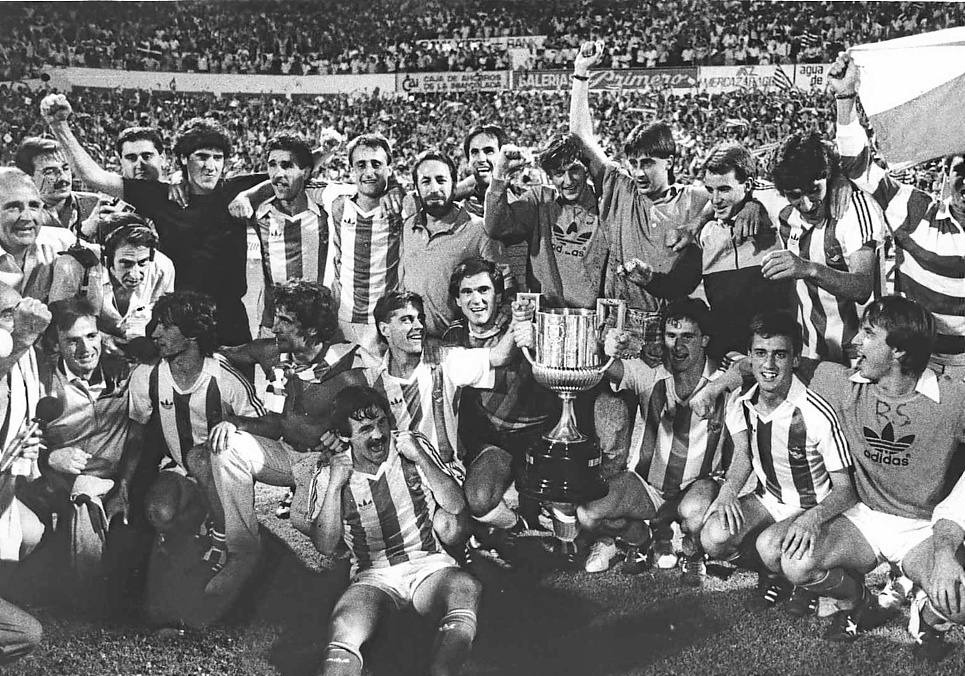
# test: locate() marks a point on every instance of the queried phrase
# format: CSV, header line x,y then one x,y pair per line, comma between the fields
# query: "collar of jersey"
x,y
927,384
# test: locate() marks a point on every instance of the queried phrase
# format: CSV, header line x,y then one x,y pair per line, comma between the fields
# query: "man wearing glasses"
x,y
831,260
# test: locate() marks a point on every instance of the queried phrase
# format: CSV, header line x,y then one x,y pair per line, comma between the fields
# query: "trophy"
x,y
565,465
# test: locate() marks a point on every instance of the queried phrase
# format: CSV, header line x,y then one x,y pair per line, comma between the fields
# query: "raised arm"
x,y
328,528
581,122
56,110
509,222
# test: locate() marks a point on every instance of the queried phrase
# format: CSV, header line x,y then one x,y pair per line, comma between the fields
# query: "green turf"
x,y
531,623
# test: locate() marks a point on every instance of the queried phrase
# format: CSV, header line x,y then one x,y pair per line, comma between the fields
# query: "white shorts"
x,y
402,580
891,537
777,509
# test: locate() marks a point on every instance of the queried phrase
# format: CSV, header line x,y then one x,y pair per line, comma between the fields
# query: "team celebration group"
x,y
799,408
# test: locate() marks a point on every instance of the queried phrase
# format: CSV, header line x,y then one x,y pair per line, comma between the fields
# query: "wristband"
x,y
581,78
841,97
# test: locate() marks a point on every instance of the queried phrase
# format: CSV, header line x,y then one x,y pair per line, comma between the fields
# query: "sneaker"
x,y
635,563
216,557
802,603
663,556
693,570
284,510
601,556
771,590
847,624
930,645
896,592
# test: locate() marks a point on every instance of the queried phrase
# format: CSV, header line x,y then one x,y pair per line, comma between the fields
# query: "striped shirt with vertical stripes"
x,y
829,323
387,516
677,446
930,242
186,416
795,447
427,401
367,246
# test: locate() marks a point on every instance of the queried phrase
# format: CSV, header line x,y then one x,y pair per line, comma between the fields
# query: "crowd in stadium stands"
x,y
252,36
415,121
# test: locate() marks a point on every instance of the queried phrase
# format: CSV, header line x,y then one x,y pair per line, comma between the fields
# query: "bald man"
x,y
27,250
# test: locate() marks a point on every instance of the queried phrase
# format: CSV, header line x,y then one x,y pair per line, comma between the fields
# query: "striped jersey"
x,y
386,517
426,401
677,446
829,323
367,246
292,247
187,416
930,243
20,391
795,447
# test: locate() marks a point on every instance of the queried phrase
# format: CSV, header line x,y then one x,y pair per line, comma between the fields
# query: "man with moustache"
x,y
382,495
437,235
423,396
123,287
44,160
208,248
311,365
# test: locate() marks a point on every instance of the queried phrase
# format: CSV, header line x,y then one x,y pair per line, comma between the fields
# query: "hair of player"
x,y
116,230
803,158
132,134
731,156
908,326
15,175
560,153
201,132
313,307
693,309
490,129
654,139
67,311
428,156
392,301
193,313
33,147
294,143
474,266
357,402
777,323
373,141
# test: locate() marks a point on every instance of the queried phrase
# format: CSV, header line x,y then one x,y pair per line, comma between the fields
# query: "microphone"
x,y
48,410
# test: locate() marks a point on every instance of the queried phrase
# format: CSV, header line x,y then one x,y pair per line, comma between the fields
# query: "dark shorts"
x,y
516,443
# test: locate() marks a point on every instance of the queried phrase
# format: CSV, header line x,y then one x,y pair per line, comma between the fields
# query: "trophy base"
x,y
562,471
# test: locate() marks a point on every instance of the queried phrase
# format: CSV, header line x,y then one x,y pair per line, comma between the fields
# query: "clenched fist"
x,y
30,319
55,108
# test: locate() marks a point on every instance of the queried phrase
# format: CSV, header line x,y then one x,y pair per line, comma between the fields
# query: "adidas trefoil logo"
x,y
885,449
166,403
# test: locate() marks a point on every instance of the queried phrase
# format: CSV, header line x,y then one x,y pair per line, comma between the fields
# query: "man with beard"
x,y
382,495
498,424
208,248
310,366
437,236
424,396
44,161
128,280
188,395
681,454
